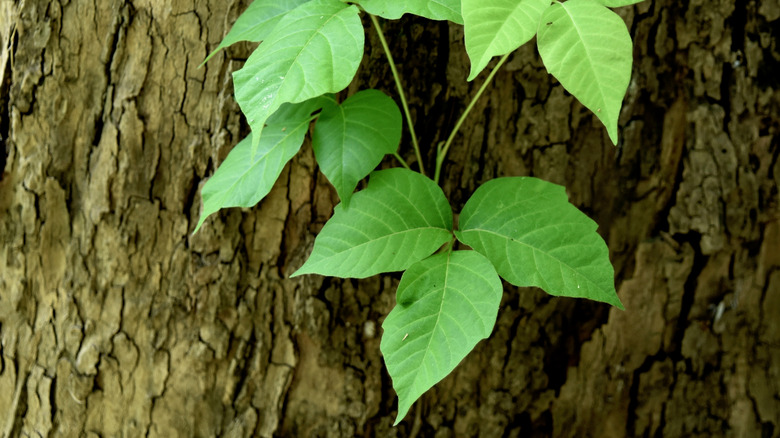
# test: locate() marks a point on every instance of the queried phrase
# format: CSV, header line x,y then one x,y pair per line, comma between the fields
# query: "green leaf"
x,y
350,139
256,22
497,27
432,9
315,49
588,49
241,180
534,237
445,305
400,218
618,3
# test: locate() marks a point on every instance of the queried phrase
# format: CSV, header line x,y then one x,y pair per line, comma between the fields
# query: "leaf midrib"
x,y
602,95
438,315
503,25
262,159
323,261
535,249
305,45
378,239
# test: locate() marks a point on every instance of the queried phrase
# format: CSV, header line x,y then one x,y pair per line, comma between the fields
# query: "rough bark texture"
x,y
116,321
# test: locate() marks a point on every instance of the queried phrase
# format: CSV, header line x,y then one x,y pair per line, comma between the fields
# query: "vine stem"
x,y
398,85
441,152
401,160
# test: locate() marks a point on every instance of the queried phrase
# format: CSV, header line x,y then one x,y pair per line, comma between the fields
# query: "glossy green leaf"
x,y
587,48
399,219
534,237
350,139
315,49
618,3
256,22
432,9
445,305
497,27
241,180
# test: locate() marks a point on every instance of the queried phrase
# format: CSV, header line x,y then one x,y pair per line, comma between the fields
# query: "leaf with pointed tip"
x,y
431,9
497,27
400,218
534,237
315,49
587,48
350,139
256,22
243,181
446,304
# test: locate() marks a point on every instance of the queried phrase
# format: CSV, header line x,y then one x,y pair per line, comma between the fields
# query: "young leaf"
x,y
241,180
350,139
400,218
256,22
534,237
497,27
432,9
588,49
445,305
315,49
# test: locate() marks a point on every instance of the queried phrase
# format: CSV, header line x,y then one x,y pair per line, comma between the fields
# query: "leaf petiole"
x,y
401,95
401,160
441,153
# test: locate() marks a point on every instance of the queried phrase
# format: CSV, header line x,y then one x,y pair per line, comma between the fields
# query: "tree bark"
x,y
116,321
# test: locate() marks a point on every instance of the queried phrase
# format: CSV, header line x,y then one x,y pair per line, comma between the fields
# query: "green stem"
x,y
401,160
441,152
398,85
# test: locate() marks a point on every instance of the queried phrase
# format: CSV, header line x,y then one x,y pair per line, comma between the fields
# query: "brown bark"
x,y
115,320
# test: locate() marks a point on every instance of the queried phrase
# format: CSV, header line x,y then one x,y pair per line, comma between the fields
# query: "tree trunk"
x,y
116,321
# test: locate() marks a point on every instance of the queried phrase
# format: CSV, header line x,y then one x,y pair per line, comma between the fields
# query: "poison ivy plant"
x,y
352,138
243,179
521,229
399,219
314,49
587,48
446,303
498,29
433,9
257,22
534,237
